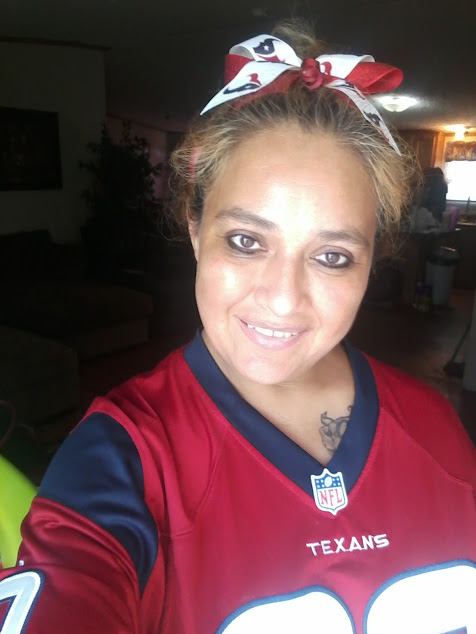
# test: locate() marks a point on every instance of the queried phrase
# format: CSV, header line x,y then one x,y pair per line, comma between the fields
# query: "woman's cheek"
x,y
341,294
216,282
232,279
228,275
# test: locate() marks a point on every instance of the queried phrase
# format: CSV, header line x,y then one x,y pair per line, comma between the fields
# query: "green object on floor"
x,y
16,495
19,446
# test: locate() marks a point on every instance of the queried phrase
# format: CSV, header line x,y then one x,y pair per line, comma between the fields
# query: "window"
x,y
460,174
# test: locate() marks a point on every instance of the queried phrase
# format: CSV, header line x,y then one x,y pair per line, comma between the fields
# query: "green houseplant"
x,y
121,196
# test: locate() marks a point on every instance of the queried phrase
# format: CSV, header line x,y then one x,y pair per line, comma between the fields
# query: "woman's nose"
x,y
281,286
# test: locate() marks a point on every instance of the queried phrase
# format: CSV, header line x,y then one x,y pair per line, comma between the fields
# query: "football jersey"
x,y
175,507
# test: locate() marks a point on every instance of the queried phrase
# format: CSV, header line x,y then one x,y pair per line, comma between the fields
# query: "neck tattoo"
x,y
332,430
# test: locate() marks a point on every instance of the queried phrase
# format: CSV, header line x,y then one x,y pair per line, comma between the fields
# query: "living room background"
x,y
68,80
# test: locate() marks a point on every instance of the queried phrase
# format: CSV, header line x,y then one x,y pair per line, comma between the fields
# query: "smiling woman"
x,y
289,242
262,478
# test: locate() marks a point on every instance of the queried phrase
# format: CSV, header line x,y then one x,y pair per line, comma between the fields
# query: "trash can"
x,y
440,272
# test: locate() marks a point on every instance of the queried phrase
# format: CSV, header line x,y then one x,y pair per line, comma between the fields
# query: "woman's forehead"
x,y
287,145
289,158
281,181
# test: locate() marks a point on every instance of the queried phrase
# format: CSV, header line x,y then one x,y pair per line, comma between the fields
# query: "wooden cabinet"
x,y
426,145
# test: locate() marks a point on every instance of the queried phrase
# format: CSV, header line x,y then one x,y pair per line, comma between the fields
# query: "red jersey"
x,y
175,507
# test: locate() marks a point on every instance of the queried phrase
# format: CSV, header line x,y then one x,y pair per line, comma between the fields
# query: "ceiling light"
x,y
459,130
397,103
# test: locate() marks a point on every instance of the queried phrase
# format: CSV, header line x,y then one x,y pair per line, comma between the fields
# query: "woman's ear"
x,y
193,231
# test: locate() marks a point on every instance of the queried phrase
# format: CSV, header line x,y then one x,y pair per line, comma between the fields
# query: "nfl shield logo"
x,y
329,491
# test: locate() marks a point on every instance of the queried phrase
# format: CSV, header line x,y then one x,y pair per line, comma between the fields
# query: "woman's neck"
x,y
312,410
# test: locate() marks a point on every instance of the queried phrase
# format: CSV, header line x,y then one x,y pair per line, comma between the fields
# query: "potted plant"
x,y
121,197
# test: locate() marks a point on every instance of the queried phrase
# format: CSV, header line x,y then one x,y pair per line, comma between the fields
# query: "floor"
x,y
423,345
418,343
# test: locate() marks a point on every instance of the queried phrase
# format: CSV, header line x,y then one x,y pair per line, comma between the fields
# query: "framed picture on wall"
x,y
30,155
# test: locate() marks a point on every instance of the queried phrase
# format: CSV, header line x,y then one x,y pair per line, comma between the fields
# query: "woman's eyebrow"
x,y
241,215
352,236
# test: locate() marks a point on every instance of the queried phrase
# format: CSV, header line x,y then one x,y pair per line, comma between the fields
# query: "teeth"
x,y
280,334
264,331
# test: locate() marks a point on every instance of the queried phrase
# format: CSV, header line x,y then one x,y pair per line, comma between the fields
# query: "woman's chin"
x,y
266,373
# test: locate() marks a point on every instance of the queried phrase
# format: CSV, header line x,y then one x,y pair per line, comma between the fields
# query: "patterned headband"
x,y
269,65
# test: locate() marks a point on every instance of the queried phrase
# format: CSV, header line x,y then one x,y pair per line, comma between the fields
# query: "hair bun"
x,y
300,36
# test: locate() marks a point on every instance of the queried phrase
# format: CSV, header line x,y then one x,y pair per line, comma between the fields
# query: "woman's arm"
x,y
89,540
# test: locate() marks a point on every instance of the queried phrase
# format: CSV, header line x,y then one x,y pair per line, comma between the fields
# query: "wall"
x,y
68,80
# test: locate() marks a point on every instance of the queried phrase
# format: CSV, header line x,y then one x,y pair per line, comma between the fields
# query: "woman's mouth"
x,y
268,332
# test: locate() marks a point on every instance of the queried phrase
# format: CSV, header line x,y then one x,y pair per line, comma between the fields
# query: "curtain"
x,y
460,151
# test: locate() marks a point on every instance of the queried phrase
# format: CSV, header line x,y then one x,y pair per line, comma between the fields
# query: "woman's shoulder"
x,y
405,395
165,410
427,416
153,428
154,394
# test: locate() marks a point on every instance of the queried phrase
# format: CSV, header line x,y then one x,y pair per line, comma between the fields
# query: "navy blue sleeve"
x,y
97,472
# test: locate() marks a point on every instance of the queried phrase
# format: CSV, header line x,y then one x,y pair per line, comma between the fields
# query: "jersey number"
x,y
21,590
434,600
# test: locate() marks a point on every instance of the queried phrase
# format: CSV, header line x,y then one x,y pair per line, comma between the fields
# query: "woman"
x,y
268,477
435,189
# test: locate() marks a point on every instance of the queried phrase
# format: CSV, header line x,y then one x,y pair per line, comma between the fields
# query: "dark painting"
x,y
29,150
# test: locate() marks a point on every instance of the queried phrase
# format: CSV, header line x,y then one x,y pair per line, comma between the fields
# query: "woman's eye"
x,y
333,259
243,243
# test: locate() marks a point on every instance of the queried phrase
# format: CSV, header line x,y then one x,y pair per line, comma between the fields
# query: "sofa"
x,y
51,318
44,291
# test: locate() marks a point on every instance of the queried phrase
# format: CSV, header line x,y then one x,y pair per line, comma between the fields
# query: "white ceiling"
x,y
166,58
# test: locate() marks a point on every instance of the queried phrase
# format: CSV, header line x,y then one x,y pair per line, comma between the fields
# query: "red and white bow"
x,y
267,64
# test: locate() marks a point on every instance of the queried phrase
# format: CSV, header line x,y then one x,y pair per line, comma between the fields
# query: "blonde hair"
x,y
203,154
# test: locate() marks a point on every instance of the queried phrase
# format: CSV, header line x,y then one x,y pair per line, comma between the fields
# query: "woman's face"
x,y
283,253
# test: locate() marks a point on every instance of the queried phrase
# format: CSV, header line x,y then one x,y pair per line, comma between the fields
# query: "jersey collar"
x,y
281,451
